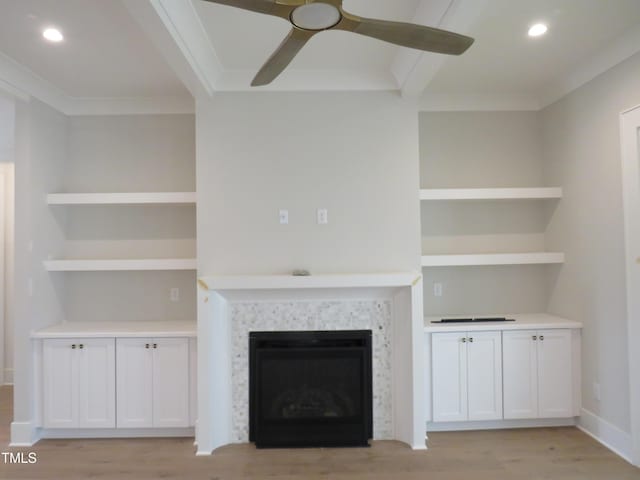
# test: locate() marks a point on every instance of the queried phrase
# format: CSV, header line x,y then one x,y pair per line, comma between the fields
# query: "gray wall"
x,y
581,146
483,149
355,154
134,153
41,151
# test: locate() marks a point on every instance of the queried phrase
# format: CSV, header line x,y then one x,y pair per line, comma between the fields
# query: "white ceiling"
x,y
505,60
105,53
244,40
137,48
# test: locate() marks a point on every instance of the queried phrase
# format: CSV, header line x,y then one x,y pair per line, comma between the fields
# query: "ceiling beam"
x,y
413,69
179,35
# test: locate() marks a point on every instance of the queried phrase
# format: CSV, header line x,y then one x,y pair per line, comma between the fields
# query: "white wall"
x,y
355,154
41,152
581,145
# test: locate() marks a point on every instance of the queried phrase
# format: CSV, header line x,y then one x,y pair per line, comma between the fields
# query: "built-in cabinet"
x,y
467,376
516,371
122,375
79,383
152,382
537,374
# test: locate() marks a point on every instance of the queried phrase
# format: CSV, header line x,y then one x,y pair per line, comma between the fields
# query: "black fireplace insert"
x,y
310,389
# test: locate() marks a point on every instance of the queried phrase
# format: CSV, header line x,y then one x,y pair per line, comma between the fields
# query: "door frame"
x,y
3,305
630,150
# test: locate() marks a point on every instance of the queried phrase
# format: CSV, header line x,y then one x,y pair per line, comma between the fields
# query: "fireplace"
x,y
310,388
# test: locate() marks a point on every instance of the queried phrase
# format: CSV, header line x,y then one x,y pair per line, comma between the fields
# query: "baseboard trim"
x,y
500,424
23,434
616,440
115,432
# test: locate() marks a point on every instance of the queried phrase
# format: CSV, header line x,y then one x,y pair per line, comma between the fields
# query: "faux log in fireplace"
x,y
310,389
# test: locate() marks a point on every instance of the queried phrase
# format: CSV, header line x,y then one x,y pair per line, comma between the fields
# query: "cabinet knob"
x,y
471,339
155,345
81,345
541,337
146,345
73,345
534,337
464,340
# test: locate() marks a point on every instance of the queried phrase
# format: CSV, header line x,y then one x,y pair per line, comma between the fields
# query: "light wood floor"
x,y
528,454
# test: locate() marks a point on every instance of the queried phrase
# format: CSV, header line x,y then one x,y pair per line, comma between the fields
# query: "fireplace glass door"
x,y
310,388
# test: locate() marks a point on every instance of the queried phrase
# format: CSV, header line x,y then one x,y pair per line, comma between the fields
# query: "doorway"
x,y
630,138
7,120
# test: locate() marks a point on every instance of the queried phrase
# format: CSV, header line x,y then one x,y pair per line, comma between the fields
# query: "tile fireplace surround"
x,y
388,304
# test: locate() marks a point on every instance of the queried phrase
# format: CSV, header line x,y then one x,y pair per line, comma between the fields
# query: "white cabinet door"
x,y
134,374
520,377
171,382
96,383
193,381
484,375
449,378
555,397
60,386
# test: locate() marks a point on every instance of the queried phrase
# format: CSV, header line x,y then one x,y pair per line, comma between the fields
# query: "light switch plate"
x,y
283,215
323,216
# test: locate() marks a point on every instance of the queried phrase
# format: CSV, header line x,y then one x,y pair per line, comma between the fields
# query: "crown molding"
x,y
129,106
310,81
185,27
616,52
23,84
444,102
430,13
415,70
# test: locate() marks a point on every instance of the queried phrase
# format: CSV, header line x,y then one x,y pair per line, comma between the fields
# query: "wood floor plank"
x,y
526,454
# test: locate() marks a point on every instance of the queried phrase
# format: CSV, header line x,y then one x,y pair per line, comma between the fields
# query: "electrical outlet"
x,y
323,216
283,215
437,289
596,391
174,294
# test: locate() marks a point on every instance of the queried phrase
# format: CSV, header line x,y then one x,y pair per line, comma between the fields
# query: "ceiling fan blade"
x,y
260,6
283,55
408,35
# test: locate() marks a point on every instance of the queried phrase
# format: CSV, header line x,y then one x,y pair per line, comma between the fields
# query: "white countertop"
x,y
118,329
528,321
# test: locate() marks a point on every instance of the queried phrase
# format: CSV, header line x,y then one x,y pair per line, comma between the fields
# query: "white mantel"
x,y
404,290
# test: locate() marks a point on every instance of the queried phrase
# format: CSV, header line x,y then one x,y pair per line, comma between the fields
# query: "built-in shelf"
x,y
490,193
93,265
139,198
492,259
523,321
118,329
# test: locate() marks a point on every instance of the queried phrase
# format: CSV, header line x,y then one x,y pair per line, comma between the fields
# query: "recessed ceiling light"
x,y
537,30
53,35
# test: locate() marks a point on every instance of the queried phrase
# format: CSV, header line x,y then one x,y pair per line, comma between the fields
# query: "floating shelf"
x,y
68,265
492,259
490,193
142,198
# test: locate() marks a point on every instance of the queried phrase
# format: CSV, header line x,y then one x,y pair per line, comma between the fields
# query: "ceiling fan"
x,y
308,17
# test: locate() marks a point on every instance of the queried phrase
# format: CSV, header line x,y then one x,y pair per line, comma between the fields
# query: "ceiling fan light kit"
x,y
309,17
315,16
